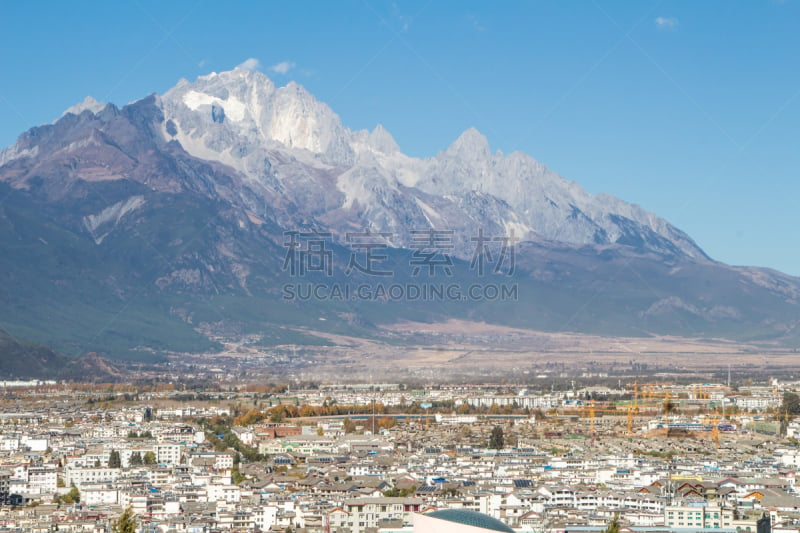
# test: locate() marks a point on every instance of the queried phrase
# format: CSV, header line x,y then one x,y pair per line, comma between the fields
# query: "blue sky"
x,y
690,109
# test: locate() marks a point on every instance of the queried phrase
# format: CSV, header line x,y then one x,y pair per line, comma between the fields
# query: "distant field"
x,y
458,348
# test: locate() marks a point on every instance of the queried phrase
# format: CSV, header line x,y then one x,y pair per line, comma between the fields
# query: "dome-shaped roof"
x,y
471,518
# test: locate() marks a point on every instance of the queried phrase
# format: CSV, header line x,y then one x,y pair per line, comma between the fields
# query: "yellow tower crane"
x,y
592,410
715,431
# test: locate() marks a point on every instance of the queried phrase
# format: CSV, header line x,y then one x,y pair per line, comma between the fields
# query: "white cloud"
x,y
250,64
666,23
283,67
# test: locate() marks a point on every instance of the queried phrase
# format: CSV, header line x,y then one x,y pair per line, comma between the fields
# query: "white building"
x,y
362,513
705,515
169,454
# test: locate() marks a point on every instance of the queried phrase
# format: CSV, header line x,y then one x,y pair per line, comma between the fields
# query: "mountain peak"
x,y
243,107
471,144
88,103
382,141
238,81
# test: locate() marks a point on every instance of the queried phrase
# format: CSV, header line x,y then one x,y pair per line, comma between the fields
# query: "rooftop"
x,y
470,518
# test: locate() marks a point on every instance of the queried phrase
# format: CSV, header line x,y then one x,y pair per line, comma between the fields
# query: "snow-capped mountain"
x,y
292,151
170,214
286,142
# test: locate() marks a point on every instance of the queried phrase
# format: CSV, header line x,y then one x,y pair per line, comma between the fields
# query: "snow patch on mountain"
x,y
102,223
430,213
14,152
233,108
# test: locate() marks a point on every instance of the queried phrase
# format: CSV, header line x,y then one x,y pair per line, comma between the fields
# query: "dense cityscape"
x,y
652,457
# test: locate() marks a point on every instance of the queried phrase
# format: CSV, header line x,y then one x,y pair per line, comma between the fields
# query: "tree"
x,y
114,460
613,525
126,523
236,475
73,496
149,458
348,425
276,415
136,459
791,403
387,422
496,440
790,407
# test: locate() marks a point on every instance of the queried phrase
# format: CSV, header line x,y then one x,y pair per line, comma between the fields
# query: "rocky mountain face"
x,y
163,226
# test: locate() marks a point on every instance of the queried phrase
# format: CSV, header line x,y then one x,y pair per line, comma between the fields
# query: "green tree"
x,y
496,439
236,475
136,459
149,458
613,525
73,496
789,408
791,404
348,425
276,416
114,460
126,523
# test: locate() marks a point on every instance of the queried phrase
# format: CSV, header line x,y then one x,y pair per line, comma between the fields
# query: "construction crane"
x,y
715,431
667,405
713,423
650,392
630,421
646,391
699,392
592,411
637,388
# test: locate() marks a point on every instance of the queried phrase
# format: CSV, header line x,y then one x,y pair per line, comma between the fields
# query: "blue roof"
x,y
471,518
